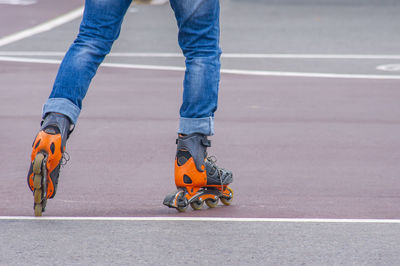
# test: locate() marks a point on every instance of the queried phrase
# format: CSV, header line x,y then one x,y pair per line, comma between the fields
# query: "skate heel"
x,y
177,200
39,184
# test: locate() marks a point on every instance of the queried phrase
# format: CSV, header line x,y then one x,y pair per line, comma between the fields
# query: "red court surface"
x,y
299,147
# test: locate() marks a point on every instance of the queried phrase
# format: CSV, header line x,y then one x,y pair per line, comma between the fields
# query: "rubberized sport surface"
x,y
308,121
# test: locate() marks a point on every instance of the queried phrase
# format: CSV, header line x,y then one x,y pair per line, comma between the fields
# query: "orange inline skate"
x,y
46,159
197,177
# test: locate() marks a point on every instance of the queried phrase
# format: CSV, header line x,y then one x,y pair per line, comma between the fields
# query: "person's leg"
x,y
197,177
198,23
99,28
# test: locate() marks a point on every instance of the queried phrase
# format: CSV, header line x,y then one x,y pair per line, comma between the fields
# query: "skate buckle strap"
x,y
206,142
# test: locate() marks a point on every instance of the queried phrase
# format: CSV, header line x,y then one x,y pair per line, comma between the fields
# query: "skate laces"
x,y
213,160
65,158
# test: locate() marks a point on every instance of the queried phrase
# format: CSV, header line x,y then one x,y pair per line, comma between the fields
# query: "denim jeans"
x,y
198,37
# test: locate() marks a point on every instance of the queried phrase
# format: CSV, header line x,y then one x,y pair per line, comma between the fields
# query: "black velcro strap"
x,y
206,142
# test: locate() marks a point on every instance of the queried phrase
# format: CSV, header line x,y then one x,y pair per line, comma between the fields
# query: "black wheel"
x,y
212,203
228,201
197,204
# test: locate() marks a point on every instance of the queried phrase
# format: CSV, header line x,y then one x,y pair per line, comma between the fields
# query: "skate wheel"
x,y
37,181
227,201
182,209
197,204
38,209
181,201
212,203
37,196
37,163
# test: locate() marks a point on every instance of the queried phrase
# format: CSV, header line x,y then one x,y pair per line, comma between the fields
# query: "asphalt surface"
x,y
198,243
299,147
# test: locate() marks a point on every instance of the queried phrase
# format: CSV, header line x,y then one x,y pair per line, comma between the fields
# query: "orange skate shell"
x,y
199,179
42,143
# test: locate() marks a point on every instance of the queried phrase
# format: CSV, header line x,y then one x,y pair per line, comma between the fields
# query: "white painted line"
x,y
149,2
42,27
115,65
226,71
204,219
391,68
18,2
158,2
224,55
30,53
312,56
29,60
307,75
146,67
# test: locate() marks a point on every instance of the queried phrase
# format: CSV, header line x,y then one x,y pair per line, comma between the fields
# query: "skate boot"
x,y
197,177
46,159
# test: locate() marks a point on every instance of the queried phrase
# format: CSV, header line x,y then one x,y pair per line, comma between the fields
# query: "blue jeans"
x,y
198,23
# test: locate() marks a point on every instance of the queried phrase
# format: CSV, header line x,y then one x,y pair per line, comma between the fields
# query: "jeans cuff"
x,y
204,125
62,106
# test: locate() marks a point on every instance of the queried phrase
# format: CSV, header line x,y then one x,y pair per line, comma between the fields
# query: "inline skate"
x,y
197,177
46,159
